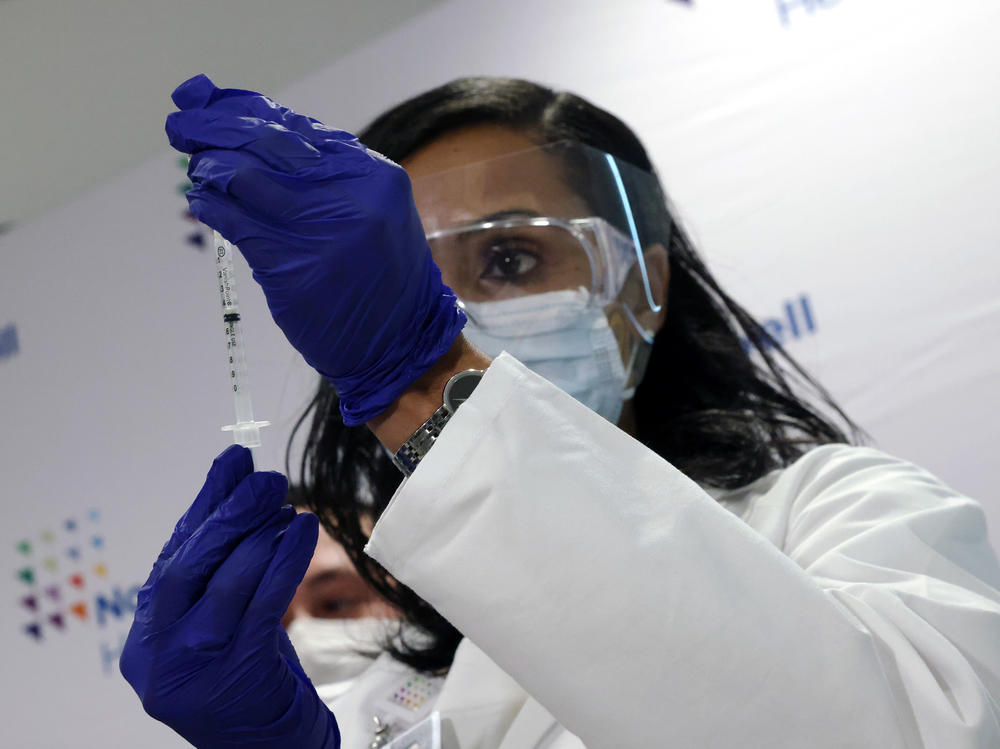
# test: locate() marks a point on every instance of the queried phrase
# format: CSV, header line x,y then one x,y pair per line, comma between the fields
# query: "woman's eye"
x,y
508,261
333,607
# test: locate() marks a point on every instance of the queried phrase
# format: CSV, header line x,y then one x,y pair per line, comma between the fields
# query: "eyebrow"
x,y
326,576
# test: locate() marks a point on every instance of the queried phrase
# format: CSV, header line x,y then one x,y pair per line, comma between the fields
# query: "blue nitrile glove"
x,y
206,653
331,233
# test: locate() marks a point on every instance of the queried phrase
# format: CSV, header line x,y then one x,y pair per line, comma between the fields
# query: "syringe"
x,y
245,431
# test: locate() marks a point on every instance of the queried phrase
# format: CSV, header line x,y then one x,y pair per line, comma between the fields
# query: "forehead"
x,y
478,171
329,555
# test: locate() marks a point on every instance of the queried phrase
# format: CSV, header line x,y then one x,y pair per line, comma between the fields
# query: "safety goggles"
x,y
553,218
523,255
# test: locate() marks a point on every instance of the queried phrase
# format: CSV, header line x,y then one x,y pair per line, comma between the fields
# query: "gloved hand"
x,y
206,652
331,233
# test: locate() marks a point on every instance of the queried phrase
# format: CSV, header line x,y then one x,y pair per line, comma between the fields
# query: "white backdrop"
x,y
836,161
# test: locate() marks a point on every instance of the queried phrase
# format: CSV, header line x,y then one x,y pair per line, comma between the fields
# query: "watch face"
x,y
460,387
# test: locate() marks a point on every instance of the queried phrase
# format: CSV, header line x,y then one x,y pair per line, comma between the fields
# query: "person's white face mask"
x,y
328,649
558,336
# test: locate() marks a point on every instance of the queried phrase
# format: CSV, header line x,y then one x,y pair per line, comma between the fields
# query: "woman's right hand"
x,y
331,232
206,652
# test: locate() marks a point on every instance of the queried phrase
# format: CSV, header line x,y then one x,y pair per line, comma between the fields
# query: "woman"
x,y
715,570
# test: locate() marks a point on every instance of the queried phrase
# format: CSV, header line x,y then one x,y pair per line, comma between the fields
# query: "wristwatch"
x,y
456,392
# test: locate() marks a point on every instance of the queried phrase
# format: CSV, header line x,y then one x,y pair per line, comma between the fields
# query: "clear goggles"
x,y
557,217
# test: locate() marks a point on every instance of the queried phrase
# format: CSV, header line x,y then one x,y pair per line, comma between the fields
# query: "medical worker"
x,y
638,527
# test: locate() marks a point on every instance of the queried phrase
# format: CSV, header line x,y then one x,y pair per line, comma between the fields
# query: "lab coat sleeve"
x,y
640,612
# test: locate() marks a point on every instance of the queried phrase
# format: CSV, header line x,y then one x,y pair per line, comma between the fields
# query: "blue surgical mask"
x,y
559,336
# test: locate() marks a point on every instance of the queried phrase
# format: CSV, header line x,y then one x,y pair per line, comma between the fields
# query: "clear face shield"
x,y
545,253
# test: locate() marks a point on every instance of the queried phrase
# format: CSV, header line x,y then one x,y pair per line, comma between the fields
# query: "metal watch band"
x,y
416,447
456,392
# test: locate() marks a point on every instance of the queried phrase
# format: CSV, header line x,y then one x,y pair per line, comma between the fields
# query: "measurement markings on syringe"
x,y
229,314
246,431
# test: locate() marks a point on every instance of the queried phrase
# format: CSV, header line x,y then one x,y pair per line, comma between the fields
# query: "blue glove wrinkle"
x,y
233,465
183,579
195,92
278,151
198,130
228,469
267,193
221,672
287,568
200,93
318,726
228,217
234,583
366,395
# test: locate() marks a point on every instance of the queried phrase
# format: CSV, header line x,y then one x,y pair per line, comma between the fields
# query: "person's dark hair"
x,y
720,399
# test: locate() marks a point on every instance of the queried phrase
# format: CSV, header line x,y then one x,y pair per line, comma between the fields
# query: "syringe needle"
x,y
245,431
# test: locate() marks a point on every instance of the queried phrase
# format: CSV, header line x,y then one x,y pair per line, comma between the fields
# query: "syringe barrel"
x,y
238,372
235,350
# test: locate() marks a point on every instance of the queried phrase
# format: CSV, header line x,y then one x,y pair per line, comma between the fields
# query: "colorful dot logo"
x,y
55,584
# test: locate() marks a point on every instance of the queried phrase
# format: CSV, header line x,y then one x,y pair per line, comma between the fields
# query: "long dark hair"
x,y
720,399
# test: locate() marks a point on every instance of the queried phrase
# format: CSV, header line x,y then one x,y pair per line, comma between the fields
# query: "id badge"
x,y
424,735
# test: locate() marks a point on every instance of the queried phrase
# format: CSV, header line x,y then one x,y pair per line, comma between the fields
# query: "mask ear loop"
x,y
635,241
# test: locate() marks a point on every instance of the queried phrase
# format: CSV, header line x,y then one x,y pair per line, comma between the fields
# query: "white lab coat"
x,y
850,600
